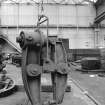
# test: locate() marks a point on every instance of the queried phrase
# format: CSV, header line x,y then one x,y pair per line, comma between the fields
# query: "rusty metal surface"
x,y
39,54
30,38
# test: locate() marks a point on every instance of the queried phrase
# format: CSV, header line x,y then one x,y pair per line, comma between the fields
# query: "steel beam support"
x,y
100,18
43,26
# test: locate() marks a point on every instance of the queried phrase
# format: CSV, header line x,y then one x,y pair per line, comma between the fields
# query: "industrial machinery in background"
x,y
7,84
88,60
40,54
16,59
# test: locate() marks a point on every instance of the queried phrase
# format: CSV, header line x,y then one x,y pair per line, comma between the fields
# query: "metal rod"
x,y
18,19
77,19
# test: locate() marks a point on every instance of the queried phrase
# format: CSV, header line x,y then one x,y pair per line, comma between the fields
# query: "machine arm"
x,y
31,45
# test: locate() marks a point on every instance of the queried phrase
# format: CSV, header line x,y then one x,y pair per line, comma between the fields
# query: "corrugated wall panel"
x,y
73,15
61,14
83,39
28,14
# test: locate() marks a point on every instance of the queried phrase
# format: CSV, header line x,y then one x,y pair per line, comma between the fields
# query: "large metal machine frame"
x,y
39,54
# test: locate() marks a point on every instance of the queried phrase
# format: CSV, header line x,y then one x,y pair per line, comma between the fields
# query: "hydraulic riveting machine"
x,y
40,53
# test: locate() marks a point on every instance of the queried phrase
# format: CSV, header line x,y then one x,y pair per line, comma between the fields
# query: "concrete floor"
x,y
92,83
95,86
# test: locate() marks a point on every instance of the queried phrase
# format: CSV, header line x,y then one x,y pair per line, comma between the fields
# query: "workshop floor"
x,y
92,84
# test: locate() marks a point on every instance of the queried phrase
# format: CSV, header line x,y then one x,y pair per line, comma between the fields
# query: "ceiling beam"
x,y
100,18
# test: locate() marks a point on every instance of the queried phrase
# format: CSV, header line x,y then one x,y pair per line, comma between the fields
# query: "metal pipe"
x,y
18,18
58,19
77,19
47,37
